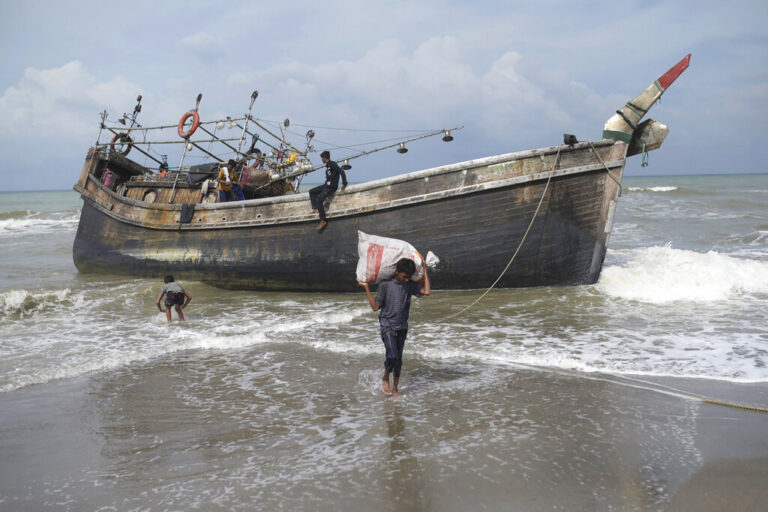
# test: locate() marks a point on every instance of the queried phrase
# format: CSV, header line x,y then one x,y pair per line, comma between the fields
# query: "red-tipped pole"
x,y
623,123
675,71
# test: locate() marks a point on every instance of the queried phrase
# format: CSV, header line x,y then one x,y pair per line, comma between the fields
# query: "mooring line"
x,y
522,241
648,386
711,401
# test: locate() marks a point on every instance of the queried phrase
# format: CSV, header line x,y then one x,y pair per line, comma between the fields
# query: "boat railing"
x,y
276,154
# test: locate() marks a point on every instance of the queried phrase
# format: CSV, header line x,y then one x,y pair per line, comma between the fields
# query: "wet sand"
x,y
300,429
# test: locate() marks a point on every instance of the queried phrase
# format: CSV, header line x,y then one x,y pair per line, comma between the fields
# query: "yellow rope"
x,y
735,405
710,401
541,200
654,386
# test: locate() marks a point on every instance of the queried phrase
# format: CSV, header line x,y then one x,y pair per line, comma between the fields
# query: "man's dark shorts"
x,y
173,298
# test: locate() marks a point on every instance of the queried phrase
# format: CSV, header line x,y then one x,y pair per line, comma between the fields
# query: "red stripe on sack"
x,y
373,262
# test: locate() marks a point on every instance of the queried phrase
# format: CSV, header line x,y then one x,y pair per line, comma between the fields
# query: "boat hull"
x,y
474,234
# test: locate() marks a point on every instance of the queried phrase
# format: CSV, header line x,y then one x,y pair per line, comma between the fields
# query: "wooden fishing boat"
x,y
559,200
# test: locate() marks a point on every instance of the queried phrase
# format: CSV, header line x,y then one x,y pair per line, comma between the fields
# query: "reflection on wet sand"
x,y
405,484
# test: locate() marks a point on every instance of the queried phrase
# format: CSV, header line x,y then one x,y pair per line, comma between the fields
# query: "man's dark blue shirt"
x,y
394,298
332,173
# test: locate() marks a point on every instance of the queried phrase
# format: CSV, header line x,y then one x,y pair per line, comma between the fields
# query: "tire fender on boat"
x,y
195,123
126,139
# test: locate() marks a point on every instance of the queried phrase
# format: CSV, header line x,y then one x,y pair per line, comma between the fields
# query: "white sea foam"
x,y
652,189
23,302
702,352
101,343
45,343
33,224
663,274
760,237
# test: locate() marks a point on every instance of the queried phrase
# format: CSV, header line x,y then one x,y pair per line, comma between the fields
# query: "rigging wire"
x,y
360,145
333,145
347,129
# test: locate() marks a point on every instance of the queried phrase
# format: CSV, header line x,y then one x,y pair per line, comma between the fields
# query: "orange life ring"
x,y
127,140
195,123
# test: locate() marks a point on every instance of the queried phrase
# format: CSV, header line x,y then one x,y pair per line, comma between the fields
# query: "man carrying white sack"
x,y
393,301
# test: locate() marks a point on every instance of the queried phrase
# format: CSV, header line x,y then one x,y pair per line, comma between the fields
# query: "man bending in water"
x,y
175,296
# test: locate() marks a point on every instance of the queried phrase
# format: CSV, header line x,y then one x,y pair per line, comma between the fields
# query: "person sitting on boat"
x,y
319,194
225,183
237,191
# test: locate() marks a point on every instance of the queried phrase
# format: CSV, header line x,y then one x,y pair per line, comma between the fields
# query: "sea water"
x,y
274,398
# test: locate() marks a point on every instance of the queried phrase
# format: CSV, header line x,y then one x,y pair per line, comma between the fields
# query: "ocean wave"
x,y
758,237
123,344
16,304
754,240
104,341
651,189
660,275
32,224
701,353
15,214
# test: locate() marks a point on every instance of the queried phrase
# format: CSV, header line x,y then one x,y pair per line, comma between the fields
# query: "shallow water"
x,y
273,398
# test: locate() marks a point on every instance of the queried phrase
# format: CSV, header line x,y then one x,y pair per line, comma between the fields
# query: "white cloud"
x,y
434,85
61,102
204,46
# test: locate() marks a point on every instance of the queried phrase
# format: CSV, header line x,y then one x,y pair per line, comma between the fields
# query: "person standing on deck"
x,y
237,191
319,194
225,182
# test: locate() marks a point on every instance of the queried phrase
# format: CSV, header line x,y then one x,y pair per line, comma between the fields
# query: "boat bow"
x,y
623,124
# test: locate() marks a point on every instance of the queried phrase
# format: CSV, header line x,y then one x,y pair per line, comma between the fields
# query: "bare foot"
x,y
314,211
321,225
395,394
385,387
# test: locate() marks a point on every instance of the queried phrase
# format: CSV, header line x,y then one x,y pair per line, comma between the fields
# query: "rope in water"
x,y
650,386
711,401
522,241
735,405
654,386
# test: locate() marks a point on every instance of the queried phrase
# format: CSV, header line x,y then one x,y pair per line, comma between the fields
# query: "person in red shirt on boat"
x,y
175,296
319,194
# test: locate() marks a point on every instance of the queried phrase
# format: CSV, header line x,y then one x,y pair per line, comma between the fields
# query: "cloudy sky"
x,y
516,75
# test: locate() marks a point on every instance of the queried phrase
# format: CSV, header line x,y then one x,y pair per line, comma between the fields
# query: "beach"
x,y
576,398
265,432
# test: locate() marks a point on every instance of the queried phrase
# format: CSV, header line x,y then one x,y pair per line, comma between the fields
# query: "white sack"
x,y
432,259
379,256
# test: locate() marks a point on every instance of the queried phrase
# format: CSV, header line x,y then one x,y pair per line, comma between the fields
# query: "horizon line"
x,y
719,173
